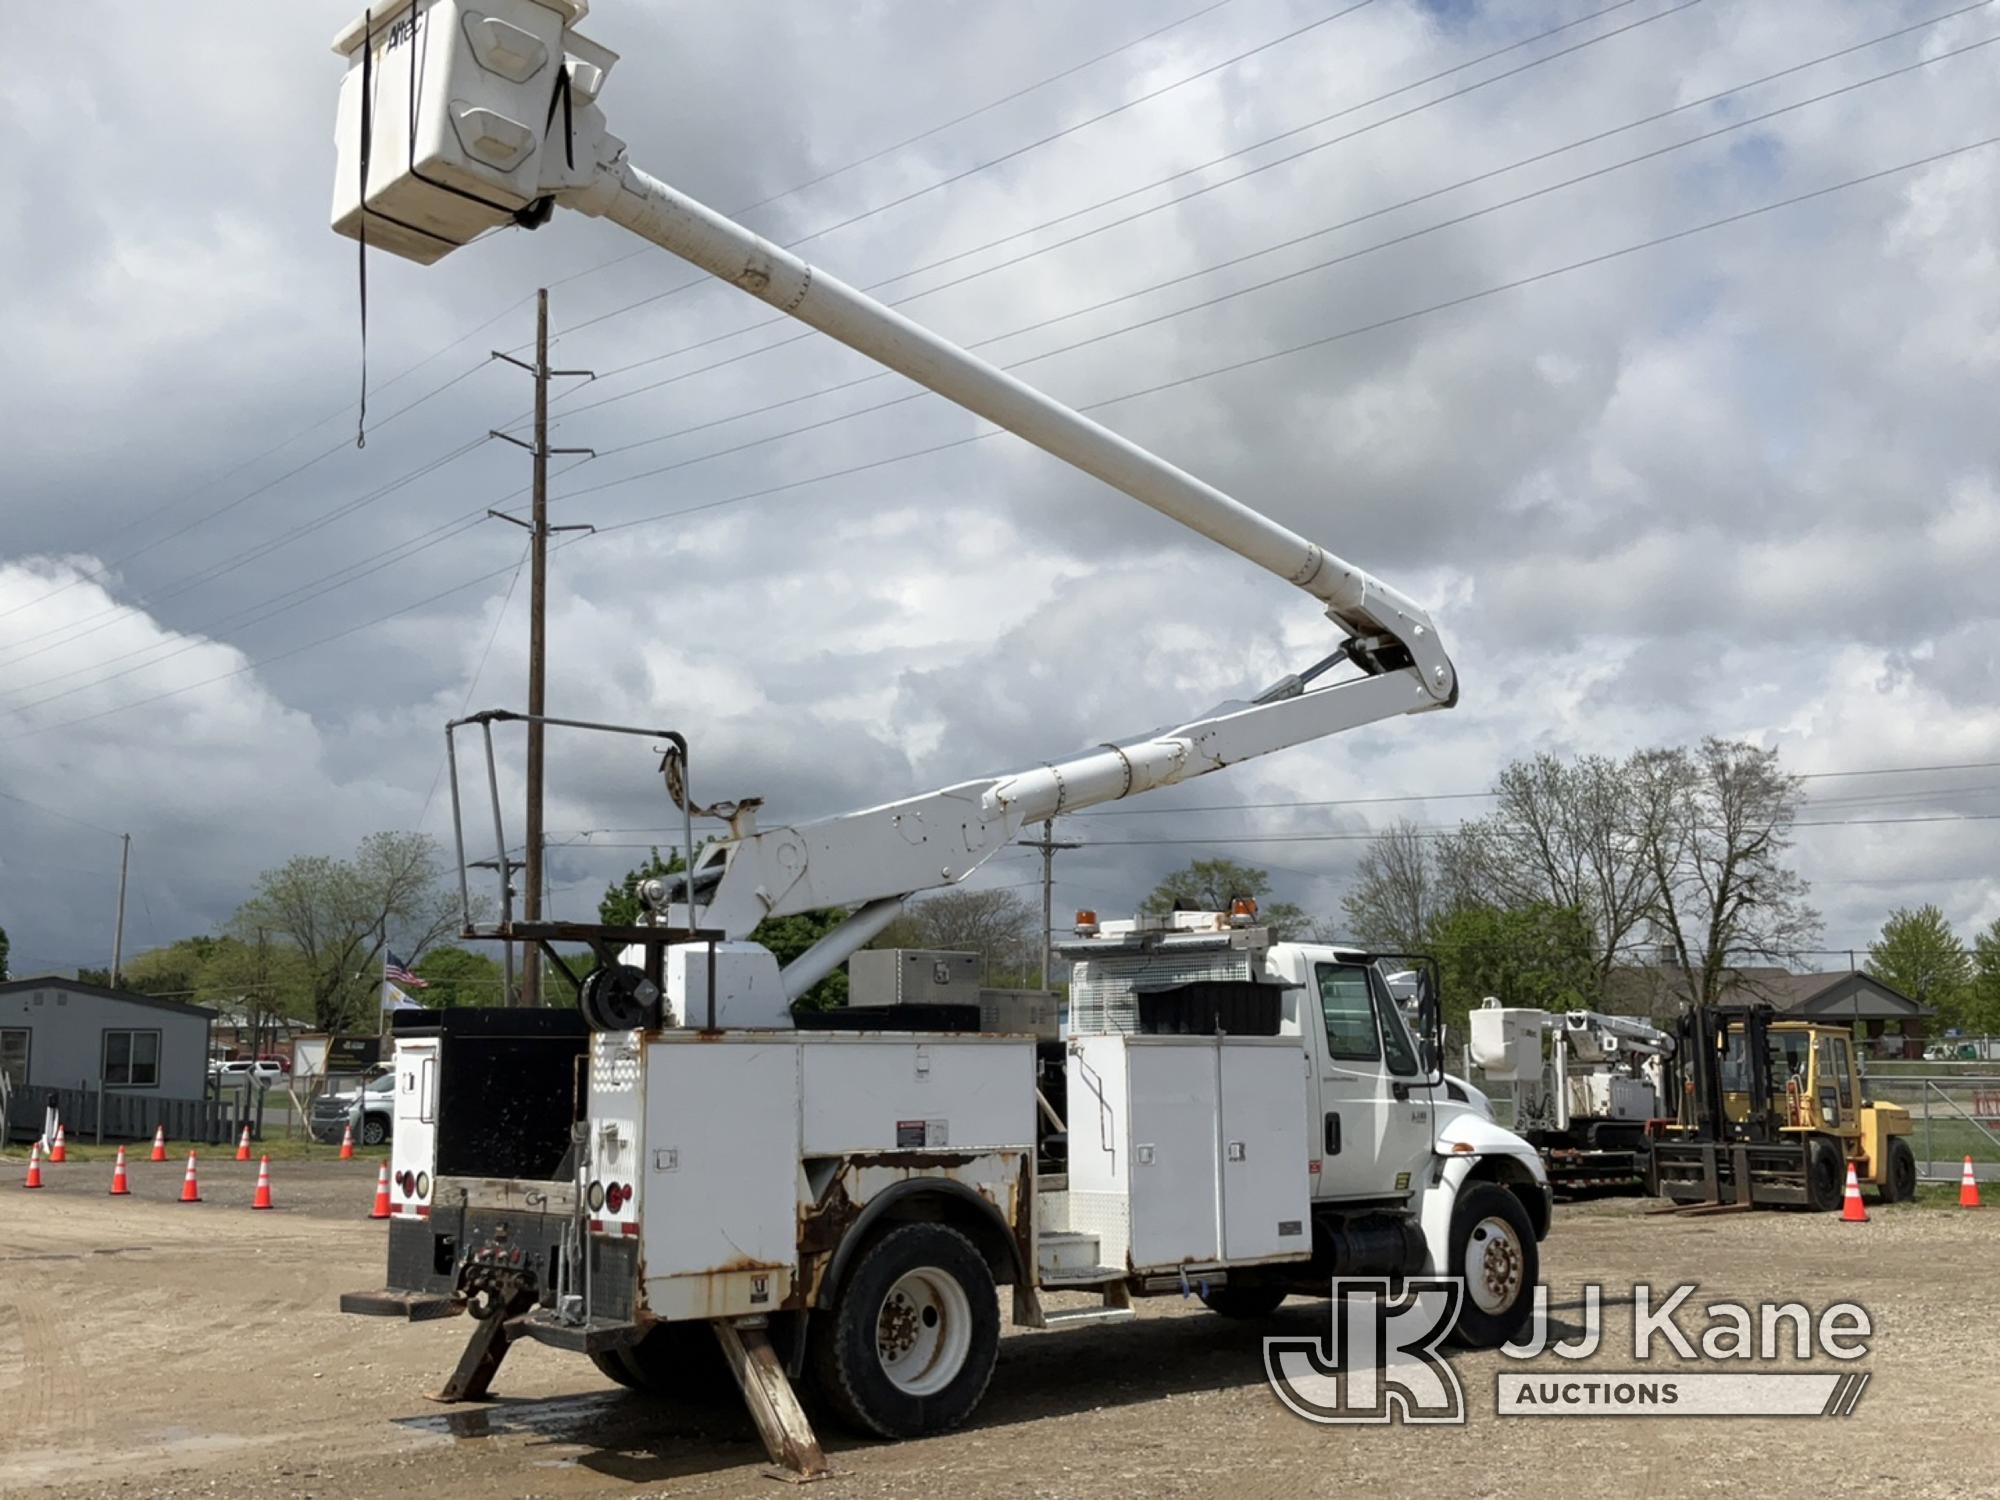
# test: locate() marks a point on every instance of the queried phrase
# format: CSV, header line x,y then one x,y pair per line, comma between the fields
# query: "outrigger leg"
x,y
484,1351
774,1406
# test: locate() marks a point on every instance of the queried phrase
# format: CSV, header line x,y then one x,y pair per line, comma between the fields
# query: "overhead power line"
x,y
1305,346
1370,835
1211,302
987,165
489,322
1133,192
1322,341
229,564
91,575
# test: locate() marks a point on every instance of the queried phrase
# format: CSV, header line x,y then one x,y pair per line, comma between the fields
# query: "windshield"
x,y
386,1084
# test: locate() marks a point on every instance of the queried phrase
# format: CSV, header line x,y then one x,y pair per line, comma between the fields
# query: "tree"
x,y
1398,892
1211,884
1981,1007
1570,836
621,906
1536,955
1001,927
340,914
1917,954
458,976
1714,824
787,937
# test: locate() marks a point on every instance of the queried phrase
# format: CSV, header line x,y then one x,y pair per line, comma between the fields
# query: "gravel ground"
x,y
149,1348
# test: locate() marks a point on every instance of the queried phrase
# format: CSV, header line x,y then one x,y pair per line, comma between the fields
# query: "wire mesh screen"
x,y
1101,998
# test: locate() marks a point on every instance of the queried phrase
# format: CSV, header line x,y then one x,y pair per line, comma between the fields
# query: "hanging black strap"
x,y
367,134
562,95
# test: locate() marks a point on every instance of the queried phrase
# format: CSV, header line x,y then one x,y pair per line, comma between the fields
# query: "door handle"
x,y
1332,1133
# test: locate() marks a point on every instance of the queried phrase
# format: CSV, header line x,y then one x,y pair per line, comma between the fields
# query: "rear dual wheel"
x,y
910,1341
681,1361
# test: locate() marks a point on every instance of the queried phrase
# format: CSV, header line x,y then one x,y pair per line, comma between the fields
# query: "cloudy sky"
x,y
1740,482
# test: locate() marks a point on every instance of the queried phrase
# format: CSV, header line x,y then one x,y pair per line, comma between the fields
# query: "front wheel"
x,y
374,1130
1899,1172
1493,1250
1826,1179
910,1341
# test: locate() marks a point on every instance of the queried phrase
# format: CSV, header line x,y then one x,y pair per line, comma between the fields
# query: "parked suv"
x,y
370,1109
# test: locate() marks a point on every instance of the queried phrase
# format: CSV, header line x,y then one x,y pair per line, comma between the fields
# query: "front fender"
x,y
1469,1148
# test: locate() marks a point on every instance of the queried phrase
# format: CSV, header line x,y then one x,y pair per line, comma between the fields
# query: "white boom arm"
x,y
455,119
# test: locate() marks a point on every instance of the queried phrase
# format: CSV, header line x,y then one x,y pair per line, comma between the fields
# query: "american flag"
x,y
396,973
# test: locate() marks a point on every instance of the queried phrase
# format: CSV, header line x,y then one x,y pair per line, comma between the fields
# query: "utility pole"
x,y
1048,845
538,530
118,931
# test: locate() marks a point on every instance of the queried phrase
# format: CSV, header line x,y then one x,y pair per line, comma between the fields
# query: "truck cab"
x,y
1372,1158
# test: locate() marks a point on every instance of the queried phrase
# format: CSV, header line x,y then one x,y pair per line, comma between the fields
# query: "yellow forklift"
x,y
1770,1113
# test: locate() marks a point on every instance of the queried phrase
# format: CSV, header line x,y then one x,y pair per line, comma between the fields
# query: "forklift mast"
x,y
1696,1069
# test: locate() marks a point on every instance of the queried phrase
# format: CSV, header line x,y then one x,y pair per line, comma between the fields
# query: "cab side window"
x,y
1396,1047
1349,1011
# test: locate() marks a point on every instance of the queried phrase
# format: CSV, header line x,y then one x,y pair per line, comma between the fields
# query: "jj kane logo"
x,y
1381,1362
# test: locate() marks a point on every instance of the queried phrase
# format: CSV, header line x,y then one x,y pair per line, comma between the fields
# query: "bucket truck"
x,y
677,1177
1587,1087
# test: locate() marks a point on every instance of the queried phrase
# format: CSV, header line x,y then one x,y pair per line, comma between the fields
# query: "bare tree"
x,y
1398,890
997,925
1571,836
1716,824
339,915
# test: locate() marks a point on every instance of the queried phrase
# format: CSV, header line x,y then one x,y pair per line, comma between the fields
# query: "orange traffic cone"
x,y
119,1187
1968,1187
347,1142
243,1145
159,1143
190,1193
57,1153
263,1198
381,1209
34,1178
1851,1209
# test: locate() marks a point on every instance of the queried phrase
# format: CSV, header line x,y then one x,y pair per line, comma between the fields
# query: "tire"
x,y
1493,1249
374,1130
1826,1177
678,1361
1243,1301
910,1341
1899,1172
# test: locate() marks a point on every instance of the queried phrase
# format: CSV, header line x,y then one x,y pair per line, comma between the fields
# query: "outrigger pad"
x,y
415,1307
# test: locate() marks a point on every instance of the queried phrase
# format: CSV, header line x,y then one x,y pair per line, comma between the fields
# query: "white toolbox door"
x,y
1172,1083
1266,1186
721,1182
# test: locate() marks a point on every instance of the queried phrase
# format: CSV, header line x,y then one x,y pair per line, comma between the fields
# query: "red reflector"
x,y
628,1228
597,1226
